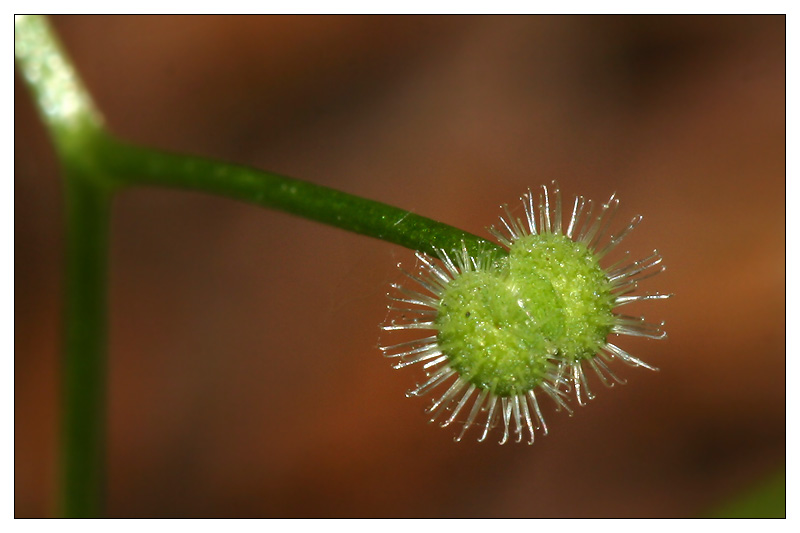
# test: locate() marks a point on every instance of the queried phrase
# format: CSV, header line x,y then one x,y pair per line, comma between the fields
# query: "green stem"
x,y
72,118
133,165
95,164
74,126
84,364
63,102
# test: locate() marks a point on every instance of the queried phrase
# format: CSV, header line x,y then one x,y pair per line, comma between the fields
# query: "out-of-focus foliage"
x,y
766,500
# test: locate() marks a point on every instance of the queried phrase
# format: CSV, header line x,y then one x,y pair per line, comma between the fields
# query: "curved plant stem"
x,y
133,165
63,102
95,166
74,126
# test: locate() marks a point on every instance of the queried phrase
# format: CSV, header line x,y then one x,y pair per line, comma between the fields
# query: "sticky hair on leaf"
x,y
503,333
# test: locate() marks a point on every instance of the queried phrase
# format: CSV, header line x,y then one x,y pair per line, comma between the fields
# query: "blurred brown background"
x,y
244,374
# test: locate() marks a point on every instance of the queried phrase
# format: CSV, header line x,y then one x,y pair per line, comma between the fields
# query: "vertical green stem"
x,y
95,165
84,370
74,125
